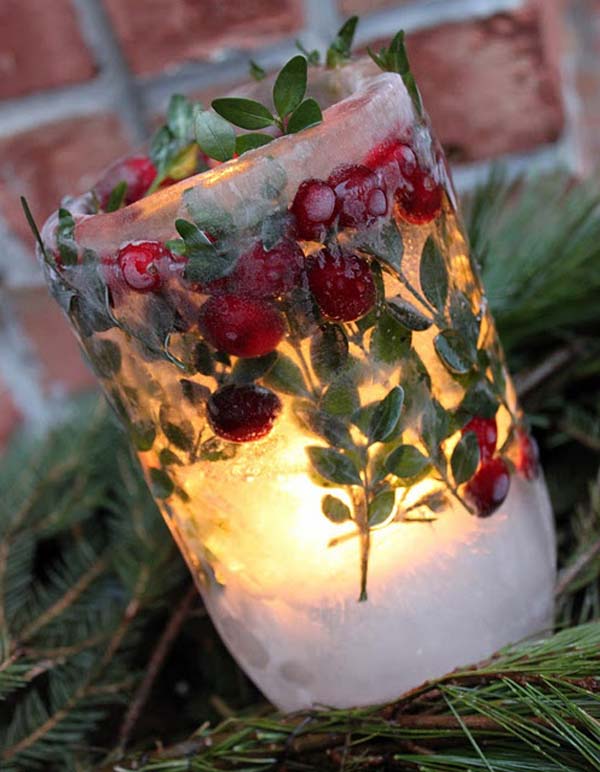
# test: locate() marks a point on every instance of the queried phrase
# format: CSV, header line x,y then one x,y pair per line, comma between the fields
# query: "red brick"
x,y
158,35
10,415
53,342
490,85
40,47
53,160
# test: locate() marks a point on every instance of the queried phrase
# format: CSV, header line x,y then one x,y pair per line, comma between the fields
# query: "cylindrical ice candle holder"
x,y
301,351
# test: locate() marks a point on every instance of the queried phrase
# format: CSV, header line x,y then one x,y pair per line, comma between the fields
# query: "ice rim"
x,y
263,180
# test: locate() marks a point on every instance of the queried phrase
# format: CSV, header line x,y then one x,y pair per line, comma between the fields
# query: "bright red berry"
x,y
262,273
418,196
487,435
342,285
488,487
528,455
242,326
145,265
314,207
243,413
138,173
360,197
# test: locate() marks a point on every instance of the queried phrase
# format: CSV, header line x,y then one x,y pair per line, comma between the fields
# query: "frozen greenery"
x,y
105,650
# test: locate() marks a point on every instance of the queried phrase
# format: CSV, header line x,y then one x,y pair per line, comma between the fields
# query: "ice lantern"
x,y
314,387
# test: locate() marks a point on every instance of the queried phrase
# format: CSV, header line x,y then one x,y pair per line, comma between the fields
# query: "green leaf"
x,y
312,57
251,141
334,466
179,434
162,147
381,507
329,352
480,400
341,398
340,50
331,428
180,117
436,426
205,262
290,86
195,393
395,59
464,320
406,462
304,116
116,198
65,232
250,370
168,458
465,458
215,135
142,434
391,340
408,315
256,71
386,415
35,230
211,218
286,376
202,359
433,275
245,113
161,484
335,510
105,356
454,353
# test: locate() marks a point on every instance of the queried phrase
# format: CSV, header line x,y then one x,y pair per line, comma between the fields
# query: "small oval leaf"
x,y
451,349
386,415
408,315
329,352
304,116
334,466
381,507
161,484
286,376
215,135
246,142
290,86
406,462
245,113
335,510
433,275
465,458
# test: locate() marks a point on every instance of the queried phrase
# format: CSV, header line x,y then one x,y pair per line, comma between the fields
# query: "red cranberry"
x,y
243,413
488,487
487,435
528,455
314,207
241,326
145,265
260,273
418,196
137,171
360,198
343,285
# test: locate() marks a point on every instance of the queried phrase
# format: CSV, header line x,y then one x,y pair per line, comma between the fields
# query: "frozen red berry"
x,y
528,455
418,196
360,197
487,435
262,273
136,171
342,285
242,326
145,265
243,413
314,207
488,487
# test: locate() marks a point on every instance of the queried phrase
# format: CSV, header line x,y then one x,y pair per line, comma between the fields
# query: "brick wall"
x,y
82,81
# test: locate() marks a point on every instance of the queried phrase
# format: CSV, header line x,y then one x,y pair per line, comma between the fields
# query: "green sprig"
x,y
395,59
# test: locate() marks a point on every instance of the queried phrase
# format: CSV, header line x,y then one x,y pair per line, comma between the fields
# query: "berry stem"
x,y
361,514
453,490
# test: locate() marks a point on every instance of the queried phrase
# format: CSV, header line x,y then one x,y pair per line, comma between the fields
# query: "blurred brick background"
x,y
82,81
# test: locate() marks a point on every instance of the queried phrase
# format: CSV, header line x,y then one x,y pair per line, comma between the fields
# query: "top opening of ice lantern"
x,y
298,344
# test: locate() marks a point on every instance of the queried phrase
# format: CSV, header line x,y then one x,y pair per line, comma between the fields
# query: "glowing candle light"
x,y
316,392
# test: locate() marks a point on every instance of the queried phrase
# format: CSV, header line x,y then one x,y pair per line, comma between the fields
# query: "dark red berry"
x,y
487,435
528,455
418,196
243,413
488,487
360,197
314,207
261,274
145,265
242,326
342,285
138,173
